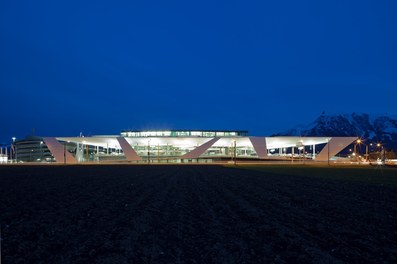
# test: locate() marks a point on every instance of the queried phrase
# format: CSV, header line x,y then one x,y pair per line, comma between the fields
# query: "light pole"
x,y
15,149
358,141
383,155
377,150
371,149
41,151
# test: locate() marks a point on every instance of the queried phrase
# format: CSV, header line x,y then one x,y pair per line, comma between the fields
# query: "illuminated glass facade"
x,y
183,133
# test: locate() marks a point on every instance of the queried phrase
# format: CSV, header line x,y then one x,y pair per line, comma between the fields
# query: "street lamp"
x,y
15,149
41,151
381,152
377,147
358,141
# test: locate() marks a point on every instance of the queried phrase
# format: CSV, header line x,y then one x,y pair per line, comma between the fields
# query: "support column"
x,y
129,153
195,154
314,151
334,146
293,153
59,151
259,144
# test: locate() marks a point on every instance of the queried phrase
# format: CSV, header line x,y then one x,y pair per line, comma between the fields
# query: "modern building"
x,y
179,146
30,149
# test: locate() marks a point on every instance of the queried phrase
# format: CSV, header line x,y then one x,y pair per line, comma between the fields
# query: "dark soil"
x,y
191,214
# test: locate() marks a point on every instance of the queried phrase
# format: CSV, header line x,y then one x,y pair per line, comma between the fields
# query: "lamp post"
x,y
371,149
383,154
15,149
41,150
358,141
377,150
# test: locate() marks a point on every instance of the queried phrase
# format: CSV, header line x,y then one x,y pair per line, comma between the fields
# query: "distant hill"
x,y
373,129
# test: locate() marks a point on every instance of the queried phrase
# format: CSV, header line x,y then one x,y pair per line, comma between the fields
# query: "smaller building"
x,y
31,149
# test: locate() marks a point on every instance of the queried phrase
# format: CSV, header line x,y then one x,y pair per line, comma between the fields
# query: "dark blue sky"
x,y
98,67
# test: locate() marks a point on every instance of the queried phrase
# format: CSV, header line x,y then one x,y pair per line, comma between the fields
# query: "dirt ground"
x,y
191,214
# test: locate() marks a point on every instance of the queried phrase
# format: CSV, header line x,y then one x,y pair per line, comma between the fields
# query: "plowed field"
x,y
191,214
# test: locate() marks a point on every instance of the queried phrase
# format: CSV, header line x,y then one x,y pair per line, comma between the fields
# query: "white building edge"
x,y
191,146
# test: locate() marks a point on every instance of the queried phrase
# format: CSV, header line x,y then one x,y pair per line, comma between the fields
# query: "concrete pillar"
x,y
293,153
314,151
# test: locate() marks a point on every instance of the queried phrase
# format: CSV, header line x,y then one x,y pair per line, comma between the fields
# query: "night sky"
x,y
98,67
